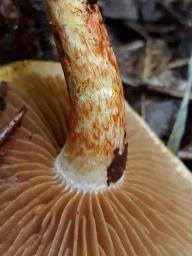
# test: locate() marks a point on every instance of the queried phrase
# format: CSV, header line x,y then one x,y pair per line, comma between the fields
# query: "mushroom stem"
x,y
94,154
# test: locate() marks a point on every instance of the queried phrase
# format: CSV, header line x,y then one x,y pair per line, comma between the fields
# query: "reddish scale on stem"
x,y
102,43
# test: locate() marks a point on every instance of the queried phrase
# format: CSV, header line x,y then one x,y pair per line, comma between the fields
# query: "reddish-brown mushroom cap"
x,y
148,213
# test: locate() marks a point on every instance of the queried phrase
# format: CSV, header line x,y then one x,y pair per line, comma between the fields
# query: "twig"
x,y
147,62
185,155
178,63
180,123
143,110
11,127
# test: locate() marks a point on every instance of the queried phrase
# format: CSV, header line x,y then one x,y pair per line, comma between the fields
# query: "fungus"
x,y
86,197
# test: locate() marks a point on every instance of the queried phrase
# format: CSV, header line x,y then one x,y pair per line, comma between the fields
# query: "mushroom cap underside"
x,y
147,213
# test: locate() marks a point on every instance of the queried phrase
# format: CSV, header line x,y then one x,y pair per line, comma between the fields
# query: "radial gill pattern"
x,y
148,213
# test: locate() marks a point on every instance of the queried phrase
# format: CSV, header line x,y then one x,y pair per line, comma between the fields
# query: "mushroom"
x,y
67,186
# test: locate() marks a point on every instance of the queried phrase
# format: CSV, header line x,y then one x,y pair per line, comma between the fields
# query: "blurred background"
x,y
152,40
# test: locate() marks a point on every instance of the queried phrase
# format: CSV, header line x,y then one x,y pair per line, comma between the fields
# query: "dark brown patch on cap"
x,y
3,89
116,168
2,159
3,92
2,104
